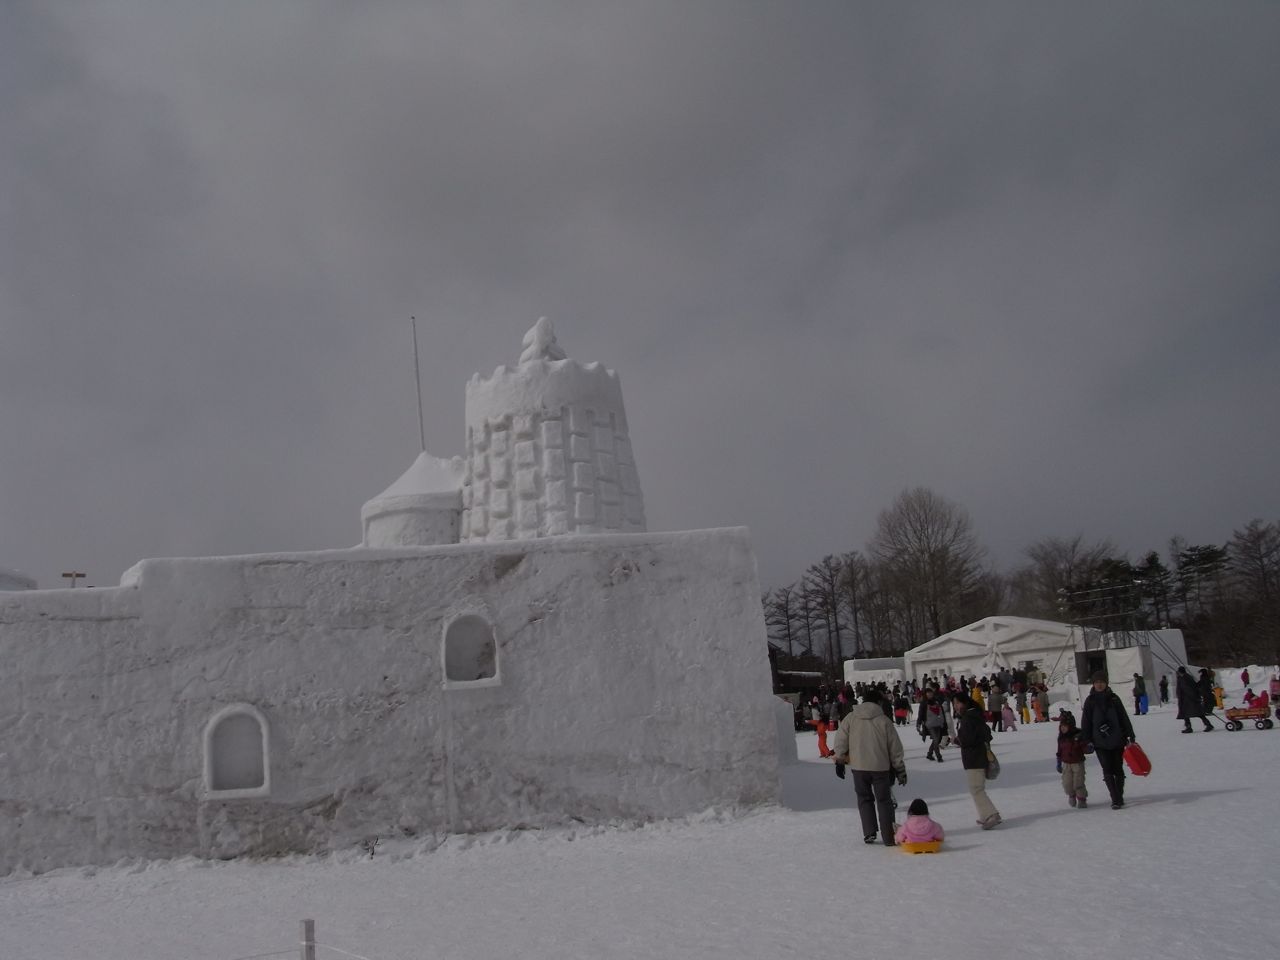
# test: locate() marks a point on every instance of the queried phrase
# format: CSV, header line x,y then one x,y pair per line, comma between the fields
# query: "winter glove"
x,y
902,778
839,769
1059,766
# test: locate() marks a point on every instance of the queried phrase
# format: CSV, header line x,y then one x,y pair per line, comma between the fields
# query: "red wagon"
x,y
1236,716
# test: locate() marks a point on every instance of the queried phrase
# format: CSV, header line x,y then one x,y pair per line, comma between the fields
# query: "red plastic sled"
x,y
1137,761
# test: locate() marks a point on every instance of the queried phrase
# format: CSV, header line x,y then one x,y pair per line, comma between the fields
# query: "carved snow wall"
x,y
301,702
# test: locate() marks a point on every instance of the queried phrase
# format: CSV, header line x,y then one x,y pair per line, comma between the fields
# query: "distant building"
x,y
1064,655
13,580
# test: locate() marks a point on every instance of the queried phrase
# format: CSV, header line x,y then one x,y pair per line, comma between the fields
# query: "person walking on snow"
x,y
995,706
1189,702
973,735
932,722
868,744
1139,695
1020,697
1071,760
1208,699
1104,723
1007,715
1042,703
820,725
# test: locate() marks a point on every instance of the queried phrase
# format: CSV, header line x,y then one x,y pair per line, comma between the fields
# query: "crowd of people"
x,y
966,712
1024,692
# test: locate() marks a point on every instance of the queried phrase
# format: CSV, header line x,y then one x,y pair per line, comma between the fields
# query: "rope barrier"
x,y
345,953
295,952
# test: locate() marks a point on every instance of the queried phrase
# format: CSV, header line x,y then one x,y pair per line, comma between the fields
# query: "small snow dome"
x,y
422,508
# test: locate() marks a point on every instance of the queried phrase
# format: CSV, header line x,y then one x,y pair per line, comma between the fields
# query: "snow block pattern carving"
x,y
548,453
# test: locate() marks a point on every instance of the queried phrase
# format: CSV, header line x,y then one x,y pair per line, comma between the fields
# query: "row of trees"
x,y
924,573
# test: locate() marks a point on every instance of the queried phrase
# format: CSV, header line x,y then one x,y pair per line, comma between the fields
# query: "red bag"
x,y
1136,758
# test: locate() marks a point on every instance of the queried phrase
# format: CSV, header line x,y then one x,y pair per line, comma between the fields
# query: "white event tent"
x,y
993,643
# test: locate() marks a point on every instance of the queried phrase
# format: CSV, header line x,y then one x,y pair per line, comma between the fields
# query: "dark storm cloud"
x,y
1021,253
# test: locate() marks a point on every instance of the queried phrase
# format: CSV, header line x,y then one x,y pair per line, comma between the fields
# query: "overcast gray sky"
x,y
1027,255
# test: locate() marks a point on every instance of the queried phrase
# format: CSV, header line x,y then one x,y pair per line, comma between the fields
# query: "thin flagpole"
x,y
417,380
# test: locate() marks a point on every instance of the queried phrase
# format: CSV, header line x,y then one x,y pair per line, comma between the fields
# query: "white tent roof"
x,y
1003,630
995,642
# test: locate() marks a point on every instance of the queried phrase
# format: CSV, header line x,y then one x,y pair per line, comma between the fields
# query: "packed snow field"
x,y
1188,869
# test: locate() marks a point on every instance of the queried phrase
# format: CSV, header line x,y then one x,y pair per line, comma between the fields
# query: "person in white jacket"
x,y
868,744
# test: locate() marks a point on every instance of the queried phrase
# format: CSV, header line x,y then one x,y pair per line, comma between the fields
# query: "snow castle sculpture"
x,y
423,681
547,454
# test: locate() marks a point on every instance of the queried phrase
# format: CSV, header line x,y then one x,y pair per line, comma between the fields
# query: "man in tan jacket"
x,y
868,744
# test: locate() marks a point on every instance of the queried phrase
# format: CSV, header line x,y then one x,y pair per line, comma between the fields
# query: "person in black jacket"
x,y
1105,724
1139,694
1205,685
1189,702
973,735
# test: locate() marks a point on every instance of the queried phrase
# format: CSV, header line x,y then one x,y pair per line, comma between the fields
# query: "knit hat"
x,y
918,808
1099,676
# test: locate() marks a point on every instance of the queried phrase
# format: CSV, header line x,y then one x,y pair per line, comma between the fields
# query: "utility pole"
x,y
308,944
73,576
417,379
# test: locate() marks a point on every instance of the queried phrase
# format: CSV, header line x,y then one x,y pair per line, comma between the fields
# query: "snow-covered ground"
x,y
1190,869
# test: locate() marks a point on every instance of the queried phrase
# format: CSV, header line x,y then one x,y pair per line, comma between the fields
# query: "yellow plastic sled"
x,y
929,846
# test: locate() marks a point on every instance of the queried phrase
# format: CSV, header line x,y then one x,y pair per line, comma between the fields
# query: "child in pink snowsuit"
x,y
919,827
1007,715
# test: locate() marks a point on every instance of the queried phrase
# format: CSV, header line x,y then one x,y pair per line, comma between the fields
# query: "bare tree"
x,y
781,615
807,615
854,571
1055,564
822,584
928,543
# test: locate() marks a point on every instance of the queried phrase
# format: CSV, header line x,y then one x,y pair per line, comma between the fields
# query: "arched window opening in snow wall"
x,y
470,651
237,760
